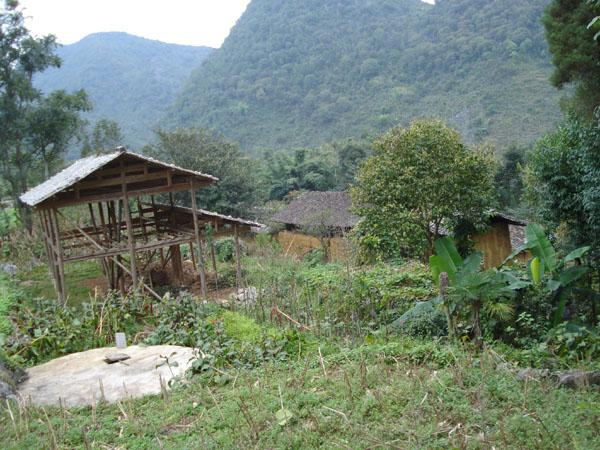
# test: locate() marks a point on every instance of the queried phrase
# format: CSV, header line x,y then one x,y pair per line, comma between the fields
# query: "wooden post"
x,y
59,257
49,250
213,257
130,238
238,262
175,251
198,242
103,261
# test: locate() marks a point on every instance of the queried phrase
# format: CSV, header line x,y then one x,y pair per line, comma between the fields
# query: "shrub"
x,y
425,319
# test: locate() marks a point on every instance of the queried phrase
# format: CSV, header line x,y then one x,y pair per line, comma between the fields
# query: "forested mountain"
x,y
129,79
296,73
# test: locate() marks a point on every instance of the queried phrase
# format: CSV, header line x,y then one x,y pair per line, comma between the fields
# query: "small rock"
x,y
575,379
9,269
532,374
248,295
113,358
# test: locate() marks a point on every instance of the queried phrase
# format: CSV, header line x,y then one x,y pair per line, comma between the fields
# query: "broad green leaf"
x,y
553,285
436,269
572,274
540,245
515,253
472,263
560,308
577,253
593,22
448,260
445,248
536,270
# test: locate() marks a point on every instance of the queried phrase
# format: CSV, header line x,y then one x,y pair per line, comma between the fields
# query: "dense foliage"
x,y
563,179
419,181
329,167
130,80
35,128
304,73
239,187
575,53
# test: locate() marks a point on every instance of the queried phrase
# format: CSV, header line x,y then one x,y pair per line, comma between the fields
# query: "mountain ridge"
x,y
129,79
292,74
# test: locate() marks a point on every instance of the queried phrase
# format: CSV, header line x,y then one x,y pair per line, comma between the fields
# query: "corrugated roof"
x,y
86,166
330,209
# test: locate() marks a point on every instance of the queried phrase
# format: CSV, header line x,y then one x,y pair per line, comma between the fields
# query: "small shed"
x,y
316,220
127,228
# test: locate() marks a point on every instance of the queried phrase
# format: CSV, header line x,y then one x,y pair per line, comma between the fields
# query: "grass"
x,y
404,394
38,283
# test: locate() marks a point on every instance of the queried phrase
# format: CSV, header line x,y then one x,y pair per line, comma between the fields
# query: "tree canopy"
x,y
418,180
239,188
563,181
575,53
35,128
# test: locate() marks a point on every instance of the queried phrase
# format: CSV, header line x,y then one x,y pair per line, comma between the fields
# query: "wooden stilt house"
x,y
128,228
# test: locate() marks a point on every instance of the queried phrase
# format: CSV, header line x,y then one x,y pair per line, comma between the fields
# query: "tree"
x,y
575,53
509,180
105,136
35,129
299,170
53,123
350,155
418,180
239,188
562,182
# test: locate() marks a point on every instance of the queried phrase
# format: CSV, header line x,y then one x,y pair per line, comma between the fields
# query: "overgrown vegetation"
x,y
401,394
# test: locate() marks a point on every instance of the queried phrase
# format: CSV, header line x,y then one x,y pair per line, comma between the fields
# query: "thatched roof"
x,y
85,167
315,209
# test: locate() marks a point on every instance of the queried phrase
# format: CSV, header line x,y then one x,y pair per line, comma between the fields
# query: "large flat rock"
x,y
84,378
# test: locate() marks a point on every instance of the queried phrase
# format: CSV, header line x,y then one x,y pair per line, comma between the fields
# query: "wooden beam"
x,y
128,179
238,262
116,195
109,252
201,264
118,263
130,238
59,257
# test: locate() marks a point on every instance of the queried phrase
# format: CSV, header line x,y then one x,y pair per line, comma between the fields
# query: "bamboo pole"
x,y
198,242
130,238
59,257
238,262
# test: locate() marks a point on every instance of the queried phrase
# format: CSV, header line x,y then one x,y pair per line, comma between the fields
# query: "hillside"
x,y
302,73
129,79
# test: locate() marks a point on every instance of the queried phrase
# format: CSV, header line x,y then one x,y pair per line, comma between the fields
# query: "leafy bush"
x,y
425,319
48,329
225,249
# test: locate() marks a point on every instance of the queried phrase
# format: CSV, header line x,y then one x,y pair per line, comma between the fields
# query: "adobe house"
x,y
316,220
128,230
328,213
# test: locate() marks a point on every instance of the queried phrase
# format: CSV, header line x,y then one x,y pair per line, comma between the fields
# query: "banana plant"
x,y
557,275
470,287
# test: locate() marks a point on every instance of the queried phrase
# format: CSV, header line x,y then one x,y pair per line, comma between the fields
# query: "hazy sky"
x,y
192,22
